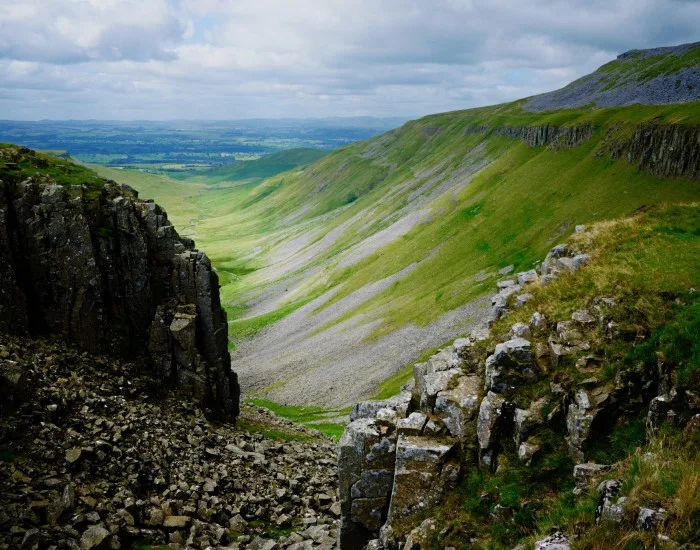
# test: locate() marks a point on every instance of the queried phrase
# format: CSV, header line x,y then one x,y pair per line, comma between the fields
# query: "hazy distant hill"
x,y
264,167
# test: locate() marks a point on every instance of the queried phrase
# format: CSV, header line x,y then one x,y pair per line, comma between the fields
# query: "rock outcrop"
x,y
665,150
90,262
491,405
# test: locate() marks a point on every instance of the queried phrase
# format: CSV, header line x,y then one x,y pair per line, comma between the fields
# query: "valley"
x,y
387,248
476,329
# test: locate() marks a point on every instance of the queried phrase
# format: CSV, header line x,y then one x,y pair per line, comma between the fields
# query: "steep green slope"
x,y
395,234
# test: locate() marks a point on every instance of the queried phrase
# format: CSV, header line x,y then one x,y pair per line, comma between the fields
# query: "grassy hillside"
x,y
259,169
434,205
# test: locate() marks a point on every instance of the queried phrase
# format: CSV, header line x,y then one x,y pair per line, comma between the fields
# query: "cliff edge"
x,y
85,259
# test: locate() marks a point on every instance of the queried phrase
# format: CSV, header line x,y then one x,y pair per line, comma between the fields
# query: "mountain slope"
x,y
351,268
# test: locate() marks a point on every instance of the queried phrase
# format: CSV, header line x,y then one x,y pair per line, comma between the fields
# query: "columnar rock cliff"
x,y
86,260
666,150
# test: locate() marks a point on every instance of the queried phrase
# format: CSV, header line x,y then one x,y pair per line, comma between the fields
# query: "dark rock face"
x,y
665,150
556,137
97,266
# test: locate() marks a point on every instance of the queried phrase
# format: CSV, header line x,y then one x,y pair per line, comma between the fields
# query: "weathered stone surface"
x,y
494,422
556,541
610,507
366,460
520,330
433,377
650,519
588,475
457,406
527,277
511,364
107,271
421,537
526,421
582,413
369,409
412,425
93,537
425,469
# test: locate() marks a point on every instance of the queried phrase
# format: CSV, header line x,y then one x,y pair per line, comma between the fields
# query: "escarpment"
x,y
665,150
87,260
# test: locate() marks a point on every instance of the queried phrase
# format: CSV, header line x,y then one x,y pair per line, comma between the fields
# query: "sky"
x,y
232,59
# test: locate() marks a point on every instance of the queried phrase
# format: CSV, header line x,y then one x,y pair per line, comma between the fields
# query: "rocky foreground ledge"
x,y
86,260
94,454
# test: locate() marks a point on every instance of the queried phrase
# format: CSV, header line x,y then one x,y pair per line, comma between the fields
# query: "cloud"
x,y
251,58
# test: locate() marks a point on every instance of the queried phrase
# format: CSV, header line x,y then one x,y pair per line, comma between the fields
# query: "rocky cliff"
x,y
536,396
86,260
665,150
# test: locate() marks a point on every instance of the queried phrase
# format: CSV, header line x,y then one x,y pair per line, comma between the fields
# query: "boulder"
x,y
369,409
511,364
520,330
425,469
93,536
549,263
457,406
526,277
555,541
650,519
432,378
610,507
589,475
412,425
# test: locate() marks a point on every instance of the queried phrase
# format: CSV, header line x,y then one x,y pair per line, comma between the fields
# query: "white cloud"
x,y
250,58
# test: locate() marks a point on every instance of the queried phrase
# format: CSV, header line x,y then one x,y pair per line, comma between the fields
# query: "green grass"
x,y
310,416
272,433
259,169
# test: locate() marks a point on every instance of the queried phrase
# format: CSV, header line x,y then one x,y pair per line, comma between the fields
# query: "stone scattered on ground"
x,y
97,456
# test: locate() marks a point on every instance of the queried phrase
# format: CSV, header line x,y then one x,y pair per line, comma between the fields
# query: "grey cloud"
x,y
253,58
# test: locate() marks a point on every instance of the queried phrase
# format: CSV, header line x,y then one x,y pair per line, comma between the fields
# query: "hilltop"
x,y
339,275
653,77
